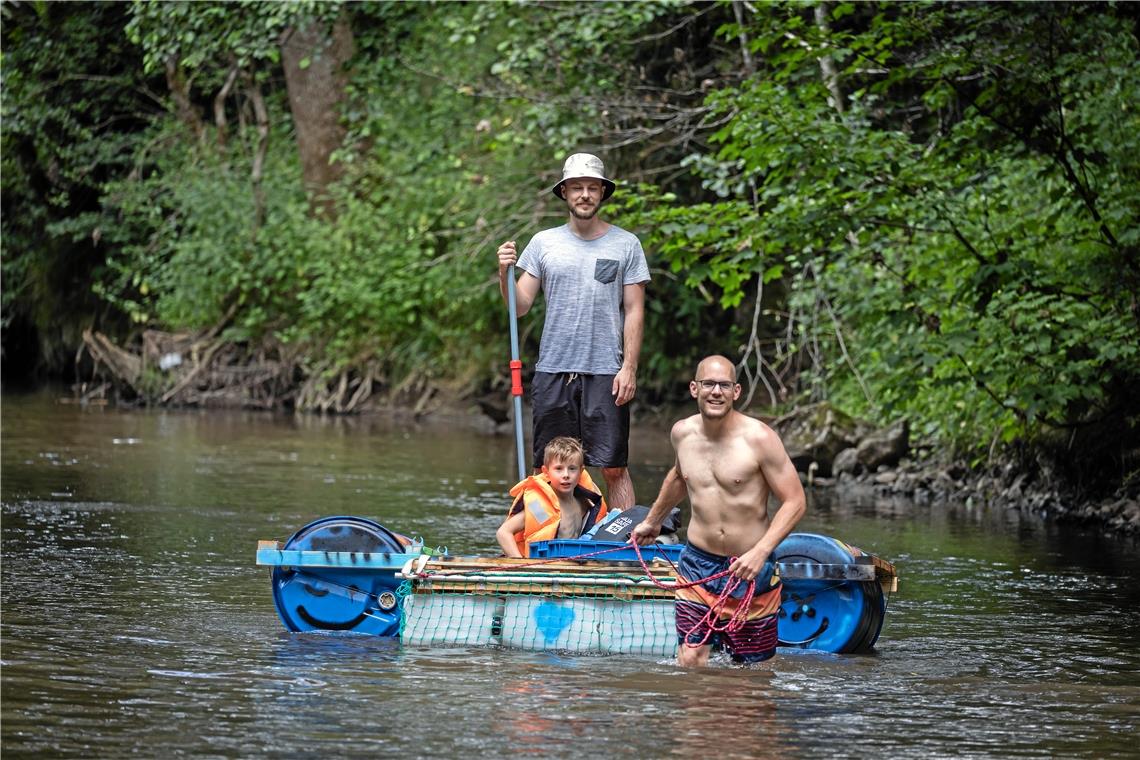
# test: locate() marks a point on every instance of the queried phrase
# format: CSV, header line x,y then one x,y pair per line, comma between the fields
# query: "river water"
x,y
134,621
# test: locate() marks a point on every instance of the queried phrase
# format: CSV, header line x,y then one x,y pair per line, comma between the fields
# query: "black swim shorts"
x,y
580,406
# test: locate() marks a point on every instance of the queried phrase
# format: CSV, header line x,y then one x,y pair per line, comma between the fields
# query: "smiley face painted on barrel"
x,y
337,603
800,623
330,602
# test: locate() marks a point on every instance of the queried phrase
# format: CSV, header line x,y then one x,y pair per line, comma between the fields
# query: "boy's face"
x,y
563,474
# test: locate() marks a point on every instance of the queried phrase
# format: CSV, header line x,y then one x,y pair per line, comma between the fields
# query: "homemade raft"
x,y
353,574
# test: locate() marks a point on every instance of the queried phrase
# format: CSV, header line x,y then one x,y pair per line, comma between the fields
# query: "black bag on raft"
x,y
618,525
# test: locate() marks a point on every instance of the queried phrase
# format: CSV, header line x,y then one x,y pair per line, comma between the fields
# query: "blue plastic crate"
x,y
570,548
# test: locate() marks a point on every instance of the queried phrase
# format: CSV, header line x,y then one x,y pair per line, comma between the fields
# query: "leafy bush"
x,y
958,241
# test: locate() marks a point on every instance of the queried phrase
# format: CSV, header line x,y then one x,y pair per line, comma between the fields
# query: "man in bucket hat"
x,y
592,275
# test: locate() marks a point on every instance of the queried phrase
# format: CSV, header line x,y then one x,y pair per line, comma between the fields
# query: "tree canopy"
x,y
921,210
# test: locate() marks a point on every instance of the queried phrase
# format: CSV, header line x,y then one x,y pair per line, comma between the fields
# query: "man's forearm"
x,y
782,524
631,337
503,283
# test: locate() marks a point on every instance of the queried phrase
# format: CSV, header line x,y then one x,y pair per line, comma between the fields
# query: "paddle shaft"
x,y
516,370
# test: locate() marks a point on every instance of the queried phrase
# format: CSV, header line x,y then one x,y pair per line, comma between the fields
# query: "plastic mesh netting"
x,y
568,609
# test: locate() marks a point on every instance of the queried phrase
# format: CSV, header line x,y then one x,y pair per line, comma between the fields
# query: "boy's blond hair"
x,y
564,449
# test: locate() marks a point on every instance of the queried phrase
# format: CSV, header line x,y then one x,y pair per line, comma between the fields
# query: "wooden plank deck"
x,y
271,553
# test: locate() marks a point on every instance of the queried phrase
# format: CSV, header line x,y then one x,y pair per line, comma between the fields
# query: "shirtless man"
x,y
728,464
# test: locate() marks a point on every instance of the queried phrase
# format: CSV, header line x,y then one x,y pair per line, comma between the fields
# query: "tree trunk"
x,y
261,113
314,59
220,104
180,93
745,50
826,64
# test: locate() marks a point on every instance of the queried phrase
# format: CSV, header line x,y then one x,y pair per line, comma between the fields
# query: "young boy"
x,y
560,502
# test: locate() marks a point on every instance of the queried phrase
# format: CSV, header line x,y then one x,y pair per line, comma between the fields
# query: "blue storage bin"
x,y
572,548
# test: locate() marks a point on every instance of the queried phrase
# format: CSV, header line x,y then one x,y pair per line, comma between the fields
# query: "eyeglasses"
x,y
725,385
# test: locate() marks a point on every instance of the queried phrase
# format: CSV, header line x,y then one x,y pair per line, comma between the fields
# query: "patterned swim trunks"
x,y
756,638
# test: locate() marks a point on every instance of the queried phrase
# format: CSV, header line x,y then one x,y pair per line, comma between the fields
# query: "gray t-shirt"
x,y
582,281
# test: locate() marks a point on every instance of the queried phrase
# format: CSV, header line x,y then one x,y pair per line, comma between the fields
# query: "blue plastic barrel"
x,y
827,615
339,599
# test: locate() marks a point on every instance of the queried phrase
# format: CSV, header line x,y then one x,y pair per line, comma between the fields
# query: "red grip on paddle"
x,y
516,377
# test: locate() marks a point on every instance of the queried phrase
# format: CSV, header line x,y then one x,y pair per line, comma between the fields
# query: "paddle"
x,y
516,371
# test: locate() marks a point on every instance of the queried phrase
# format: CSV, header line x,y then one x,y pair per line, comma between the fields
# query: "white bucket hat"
x,y
584,165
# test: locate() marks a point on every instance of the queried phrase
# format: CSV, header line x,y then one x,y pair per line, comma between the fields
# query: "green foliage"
x,y
388,281
73,107
187,248
548,59
680,302
968,220
209,35
957,244
369,286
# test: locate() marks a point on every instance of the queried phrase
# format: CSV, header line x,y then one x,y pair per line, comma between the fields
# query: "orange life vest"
x,y
542,512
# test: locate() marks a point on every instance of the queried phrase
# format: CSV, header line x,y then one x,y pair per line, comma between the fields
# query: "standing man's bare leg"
x,y
619,487
693,657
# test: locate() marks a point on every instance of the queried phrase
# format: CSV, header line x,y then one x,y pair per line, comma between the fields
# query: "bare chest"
x,y
729,467
570,522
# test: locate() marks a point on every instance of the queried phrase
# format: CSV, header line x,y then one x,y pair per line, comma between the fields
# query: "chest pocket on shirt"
x,y
605,270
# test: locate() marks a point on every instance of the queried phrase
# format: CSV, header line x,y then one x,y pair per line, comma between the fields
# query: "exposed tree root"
x,y
201,369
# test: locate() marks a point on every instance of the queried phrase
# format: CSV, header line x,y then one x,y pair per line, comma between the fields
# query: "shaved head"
x,y
716,365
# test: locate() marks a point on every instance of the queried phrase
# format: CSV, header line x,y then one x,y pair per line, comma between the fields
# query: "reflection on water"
x,y
135,622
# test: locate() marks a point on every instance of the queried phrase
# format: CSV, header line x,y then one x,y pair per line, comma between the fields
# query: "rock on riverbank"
x,y
830,448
